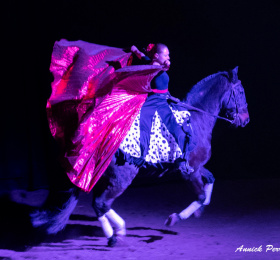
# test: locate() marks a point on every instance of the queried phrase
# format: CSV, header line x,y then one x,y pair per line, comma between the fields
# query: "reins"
x,y
204,112
176,100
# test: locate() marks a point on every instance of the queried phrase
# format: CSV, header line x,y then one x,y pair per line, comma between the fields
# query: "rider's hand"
x,y
167,64
138,53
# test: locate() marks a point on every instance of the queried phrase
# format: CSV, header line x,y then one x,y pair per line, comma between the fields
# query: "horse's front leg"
x,y
202,181
208,182
195,205
111,185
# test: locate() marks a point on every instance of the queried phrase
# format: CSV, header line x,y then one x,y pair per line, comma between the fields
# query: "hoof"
x,y
172,220
112,241
117,240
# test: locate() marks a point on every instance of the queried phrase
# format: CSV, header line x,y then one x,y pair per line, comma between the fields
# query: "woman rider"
x,y
158,54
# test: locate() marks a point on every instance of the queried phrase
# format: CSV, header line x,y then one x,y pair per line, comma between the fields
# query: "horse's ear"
x,y
233,75
235,70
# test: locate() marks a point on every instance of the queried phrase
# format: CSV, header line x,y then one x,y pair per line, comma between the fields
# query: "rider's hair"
x,y
154,48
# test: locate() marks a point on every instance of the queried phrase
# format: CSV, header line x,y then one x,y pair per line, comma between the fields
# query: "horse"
x,y
220,95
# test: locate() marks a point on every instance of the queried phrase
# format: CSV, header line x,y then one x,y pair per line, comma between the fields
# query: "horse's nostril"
x,y
246,121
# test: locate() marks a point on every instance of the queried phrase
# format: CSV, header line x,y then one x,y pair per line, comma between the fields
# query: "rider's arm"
x,y
138,53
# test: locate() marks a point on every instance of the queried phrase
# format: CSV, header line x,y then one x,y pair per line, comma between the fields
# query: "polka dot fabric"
x,y
162,147
180,116
131,143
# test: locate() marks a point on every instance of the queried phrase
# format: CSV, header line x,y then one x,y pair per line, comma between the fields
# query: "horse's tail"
x,y
53,217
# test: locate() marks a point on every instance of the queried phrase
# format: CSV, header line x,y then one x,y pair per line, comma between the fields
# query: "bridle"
x,y
238,108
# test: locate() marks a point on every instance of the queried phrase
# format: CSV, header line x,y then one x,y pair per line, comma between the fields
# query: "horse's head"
x,y
234,104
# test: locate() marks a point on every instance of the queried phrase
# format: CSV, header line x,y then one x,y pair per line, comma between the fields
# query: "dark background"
x,y
203,37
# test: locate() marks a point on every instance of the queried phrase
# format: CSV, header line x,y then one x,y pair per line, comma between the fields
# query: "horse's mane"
x,y
208,88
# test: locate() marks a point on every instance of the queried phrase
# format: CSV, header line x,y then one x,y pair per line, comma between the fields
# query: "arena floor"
x,y
242,213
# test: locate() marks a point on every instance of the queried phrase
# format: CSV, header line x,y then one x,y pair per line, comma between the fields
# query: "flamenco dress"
x,y
157,135
95,110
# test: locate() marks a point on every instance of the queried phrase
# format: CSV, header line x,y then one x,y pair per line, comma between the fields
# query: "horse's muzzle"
x,y
244,119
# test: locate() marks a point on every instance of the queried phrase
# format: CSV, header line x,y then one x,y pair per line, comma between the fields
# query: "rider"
x,y
157,101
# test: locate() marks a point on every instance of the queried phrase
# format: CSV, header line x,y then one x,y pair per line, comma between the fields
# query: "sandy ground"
x,y
242,212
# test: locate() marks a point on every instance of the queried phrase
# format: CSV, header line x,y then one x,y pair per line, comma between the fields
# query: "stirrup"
x,y
185,167
189,168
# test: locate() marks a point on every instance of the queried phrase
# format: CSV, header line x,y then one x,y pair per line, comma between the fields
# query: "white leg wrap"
x,y
117,221
208,191
190,210
106,226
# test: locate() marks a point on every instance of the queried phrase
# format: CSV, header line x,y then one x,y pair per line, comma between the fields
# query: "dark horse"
x,y
218,95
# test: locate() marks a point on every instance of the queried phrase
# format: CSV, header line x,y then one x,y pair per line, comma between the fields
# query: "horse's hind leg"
x,y
112,217
111,185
